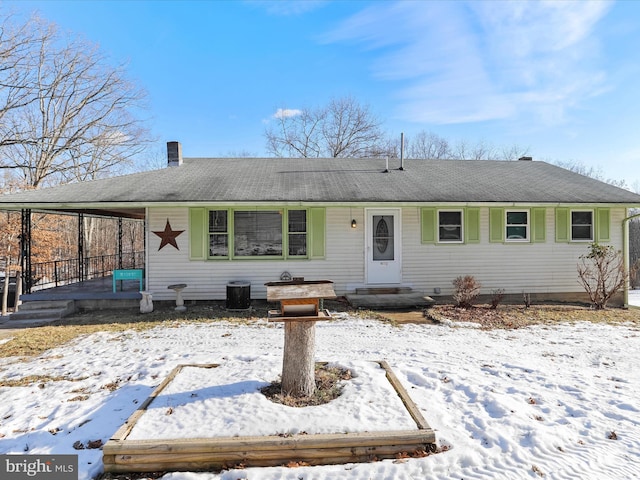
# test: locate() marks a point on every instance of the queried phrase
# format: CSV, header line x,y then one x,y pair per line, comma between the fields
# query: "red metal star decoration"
x,y
168,236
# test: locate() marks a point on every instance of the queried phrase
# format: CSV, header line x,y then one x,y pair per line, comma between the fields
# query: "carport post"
x,y
25,251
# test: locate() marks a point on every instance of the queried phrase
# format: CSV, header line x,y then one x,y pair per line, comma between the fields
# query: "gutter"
x,y
625,254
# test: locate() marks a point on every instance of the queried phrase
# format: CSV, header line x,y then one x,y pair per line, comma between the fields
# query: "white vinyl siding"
x,y
338,257
537,267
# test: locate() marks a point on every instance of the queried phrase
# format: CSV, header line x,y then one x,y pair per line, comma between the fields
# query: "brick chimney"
x,y
174,154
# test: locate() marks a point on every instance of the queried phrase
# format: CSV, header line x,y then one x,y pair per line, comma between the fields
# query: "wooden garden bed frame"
x,y
218,453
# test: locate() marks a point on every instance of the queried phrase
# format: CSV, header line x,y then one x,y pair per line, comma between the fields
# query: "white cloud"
x,y
286,112
457,62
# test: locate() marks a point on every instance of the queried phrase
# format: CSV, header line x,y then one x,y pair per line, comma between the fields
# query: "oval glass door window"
x,y
383,237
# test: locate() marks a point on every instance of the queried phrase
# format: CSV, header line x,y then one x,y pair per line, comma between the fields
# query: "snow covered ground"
x,y
553,401
368,403
634,298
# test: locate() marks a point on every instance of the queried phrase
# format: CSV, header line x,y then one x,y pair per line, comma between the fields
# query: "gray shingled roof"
x,y
335,180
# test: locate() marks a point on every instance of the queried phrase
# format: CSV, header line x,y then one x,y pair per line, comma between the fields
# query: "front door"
x,y
384,264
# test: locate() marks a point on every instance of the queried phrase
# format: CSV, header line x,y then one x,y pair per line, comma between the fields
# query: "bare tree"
x,y
66,114
9,229
593,172
240,153
387,146
513,152
77,122
428,145
463,150
483,150
344,128
298,133
350,129
16,45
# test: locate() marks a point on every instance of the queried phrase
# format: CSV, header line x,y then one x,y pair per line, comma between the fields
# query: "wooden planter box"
x,y
198,454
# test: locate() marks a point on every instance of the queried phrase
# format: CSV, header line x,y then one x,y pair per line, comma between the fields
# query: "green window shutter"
x,y
562,224
197,229
472,225
538,225
496,225
317,232
603,225
428,225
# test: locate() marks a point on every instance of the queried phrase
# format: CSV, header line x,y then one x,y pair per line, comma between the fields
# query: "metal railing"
x,y
65,272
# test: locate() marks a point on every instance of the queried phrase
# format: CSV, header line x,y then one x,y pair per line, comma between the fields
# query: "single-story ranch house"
x,y
520,225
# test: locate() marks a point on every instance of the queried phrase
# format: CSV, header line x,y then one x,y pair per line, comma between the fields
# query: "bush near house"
x,y
496,297
634,275
634,251
466,291
602,274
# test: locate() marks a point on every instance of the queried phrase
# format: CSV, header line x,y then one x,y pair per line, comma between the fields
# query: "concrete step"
x,y
38,314
390,300
10,326
383,290
49,310
46,305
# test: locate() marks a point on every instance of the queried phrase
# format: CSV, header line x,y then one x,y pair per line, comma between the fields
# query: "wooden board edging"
x,y
148,455
269,442
128,425
411,407
259,458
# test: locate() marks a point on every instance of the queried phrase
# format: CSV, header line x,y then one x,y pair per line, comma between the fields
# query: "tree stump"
x,y
299,310
298,363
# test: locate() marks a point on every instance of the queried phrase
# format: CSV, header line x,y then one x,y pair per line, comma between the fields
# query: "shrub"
x,y
466,291
496,297
634,275
602,274
526,298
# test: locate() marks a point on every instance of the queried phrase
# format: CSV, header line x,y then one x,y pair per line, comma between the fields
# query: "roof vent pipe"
x,y
386,168
525,159
174,154
401,150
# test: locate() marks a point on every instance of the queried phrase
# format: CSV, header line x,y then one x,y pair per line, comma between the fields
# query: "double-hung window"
x,y
218,233
450,226
297,231
517,226
582,225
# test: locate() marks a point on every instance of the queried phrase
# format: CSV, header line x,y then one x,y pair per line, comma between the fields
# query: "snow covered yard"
x,y
554,401
368,403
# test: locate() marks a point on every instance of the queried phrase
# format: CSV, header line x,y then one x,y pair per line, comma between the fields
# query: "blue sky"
x,y
559,78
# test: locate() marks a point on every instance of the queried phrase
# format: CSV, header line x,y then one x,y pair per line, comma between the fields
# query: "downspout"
x,y
625,254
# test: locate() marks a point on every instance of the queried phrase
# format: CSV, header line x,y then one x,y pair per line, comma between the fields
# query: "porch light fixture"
x,y
354,224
